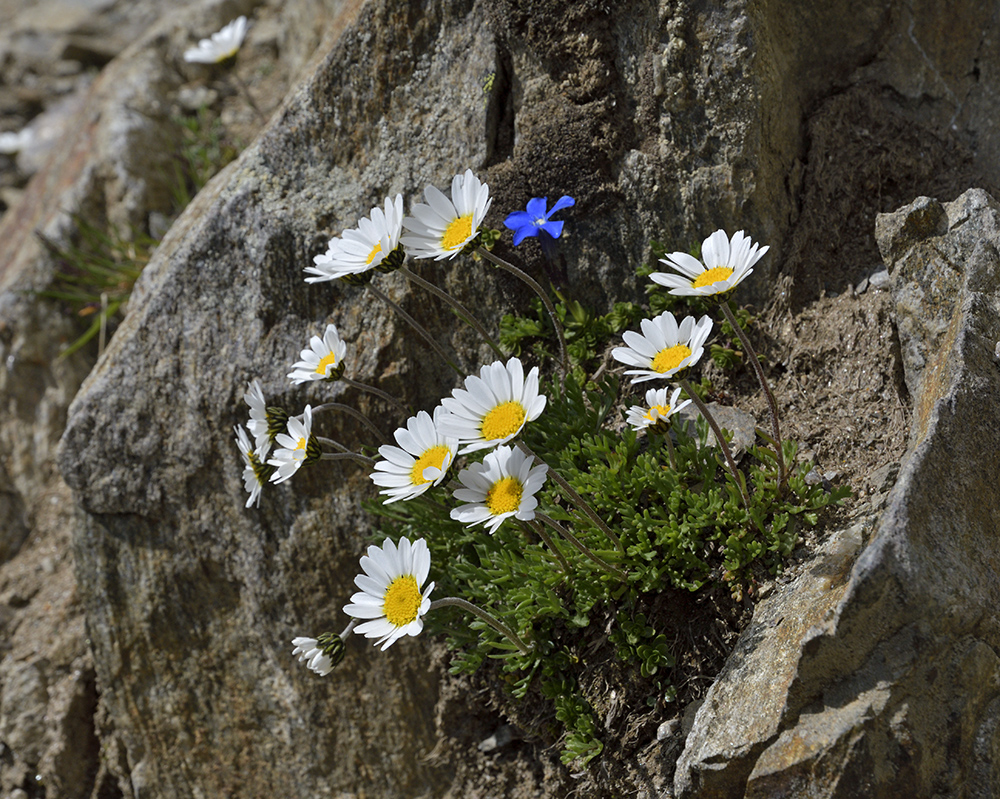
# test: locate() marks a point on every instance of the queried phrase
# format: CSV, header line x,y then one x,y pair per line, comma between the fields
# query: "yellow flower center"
x,y
710,276
670,358
375,251
301,444
325,363
433,457
457,233
663,410
402,600
504,496
504,420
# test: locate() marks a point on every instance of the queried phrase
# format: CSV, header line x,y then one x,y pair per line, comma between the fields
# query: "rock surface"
x,y
875,672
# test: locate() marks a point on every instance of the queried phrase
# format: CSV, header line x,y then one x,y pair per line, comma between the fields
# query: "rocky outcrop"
x,y
875,672
664,121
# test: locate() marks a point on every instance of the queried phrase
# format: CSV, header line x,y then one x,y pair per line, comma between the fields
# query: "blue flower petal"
x,y
518,219
554,229
536,207
525,232
563,202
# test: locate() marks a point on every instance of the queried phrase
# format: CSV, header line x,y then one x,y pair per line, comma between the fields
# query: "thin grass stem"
x,y
703,408
464,313
575,498
536,287
547,540
581,547
431,341
340,406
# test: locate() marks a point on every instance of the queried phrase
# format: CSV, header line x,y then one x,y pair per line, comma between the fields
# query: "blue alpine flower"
x,y
536,219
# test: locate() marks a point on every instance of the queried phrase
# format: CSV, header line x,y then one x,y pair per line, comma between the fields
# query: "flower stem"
x,y
340,406
575,498
246,93
481,614
376,392
581,547
347,456
431,341
670,450
348,629
331,443
547,540
533,284
686,385
759,372
464,313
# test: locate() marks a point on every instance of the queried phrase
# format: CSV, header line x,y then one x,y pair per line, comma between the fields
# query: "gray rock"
x,y
875,673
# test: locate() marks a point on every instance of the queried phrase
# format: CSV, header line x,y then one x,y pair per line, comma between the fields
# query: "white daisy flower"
x,y
221,46
493,407
373,244
293,447
255,469
442,227
422,462
258,425
655,414
726,265
503,485
323,360
391,597
663,349
310,651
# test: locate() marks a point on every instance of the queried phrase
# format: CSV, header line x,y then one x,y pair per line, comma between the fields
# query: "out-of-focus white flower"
x,y
664,348
391,598
493,407
14,142
727,263
440,228
420,461
222,45
373,244
323,360
503,485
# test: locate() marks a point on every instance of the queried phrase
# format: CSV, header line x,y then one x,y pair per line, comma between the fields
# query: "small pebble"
x,y
668,729
880,280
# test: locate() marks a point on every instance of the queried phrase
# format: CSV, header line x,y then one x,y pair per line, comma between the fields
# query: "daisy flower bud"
x,y
655,414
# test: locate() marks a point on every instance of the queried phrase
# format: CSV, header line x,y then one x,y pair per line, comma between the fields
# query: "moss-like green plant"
x,y
680,528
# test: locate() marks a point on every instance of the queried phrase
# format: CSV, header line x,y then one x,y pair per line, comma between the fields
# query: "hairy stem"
x,y
464,313
534,286
771,404
481,614
686,385
431,341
